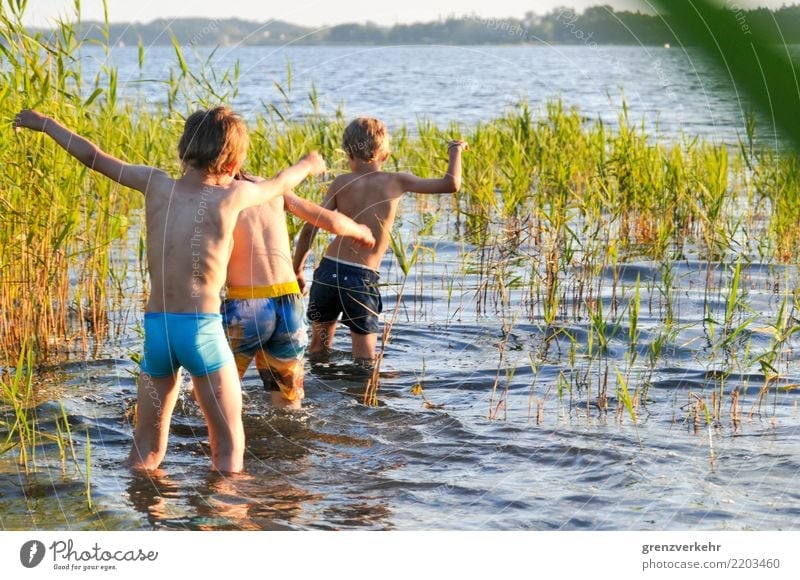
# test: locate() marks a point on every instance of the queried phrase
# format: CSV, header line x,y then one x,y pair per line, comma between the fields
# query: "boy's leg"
x,y
242,360
155,401
283,379
364,347
324,307
280,402
321,337
219,395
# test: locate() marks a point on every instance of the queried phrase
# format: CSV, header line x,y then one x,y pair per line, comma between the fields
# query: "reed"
x,y
16,403
59,220
19,421
406,258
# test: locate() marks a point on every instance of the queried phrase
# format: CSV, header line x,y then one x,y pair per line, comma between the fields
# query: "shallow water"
x,y
541,460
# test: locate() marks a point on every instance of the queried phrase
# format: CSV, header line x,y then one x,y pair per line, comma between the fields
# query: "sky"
x,y
315,12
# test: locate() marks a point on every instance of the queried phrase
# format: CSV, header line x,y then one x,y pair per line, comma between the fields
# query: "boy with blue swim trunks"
x,y
346,280
263,313
190,222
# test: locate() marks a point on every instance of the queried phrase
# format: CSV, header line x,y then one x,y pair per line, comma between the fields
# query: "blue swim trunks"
x,y
195,342
346,289
268,324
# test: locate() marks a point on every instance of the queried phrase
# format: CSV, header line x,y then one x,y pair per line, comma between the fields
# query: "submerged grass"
x,y
16,398
20,426
553,206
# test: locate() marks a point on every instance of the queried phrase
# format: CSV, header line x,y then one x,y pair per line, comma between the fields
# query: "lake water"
x,y
671,90
511,442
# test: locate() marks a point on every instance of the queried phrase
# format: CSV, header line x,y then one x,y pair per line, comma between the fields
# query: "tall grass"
x,y
58,219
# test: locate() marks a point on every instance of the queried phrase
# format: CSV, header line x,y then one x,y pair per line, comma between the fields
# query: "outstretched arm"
x,y
307,234
450,183
285,181
328,220
133,176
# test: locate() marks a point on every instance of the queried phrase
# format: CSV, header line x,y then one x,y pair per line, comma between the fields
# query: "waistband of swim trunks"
x,y
184,315
351,264
271,291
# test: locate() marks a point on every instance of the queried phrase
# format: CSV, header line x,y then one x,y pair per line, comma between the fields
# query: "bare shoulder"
x,y
400,176
384,184
146,179
403,181
239,190
341,182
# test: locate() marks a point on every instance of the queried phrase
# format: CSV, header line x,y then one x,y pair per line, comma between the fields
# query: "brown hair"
x,y
214,140
367,139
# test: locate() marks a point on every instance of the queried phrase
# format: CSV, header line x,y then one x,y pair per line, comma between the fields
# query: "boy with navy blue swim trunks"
x,y
190,222
263,313
346,280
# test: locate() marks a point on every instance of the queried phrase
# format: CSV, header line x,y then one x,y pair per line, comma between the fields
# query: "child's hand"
x,y
316,163
364,237
462,145
28,119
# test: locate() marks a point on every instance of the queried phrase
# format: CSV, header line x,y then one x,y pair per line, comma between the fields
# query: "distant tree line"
x,y
598,25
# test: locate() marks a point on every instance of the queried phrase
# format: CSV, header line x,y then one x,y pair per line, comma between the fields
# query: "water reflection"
x,y
284,448
152,493
245,502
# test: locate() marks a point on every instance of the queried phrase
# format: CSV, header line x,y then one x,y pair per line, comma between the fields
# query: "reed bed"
x,y
552,208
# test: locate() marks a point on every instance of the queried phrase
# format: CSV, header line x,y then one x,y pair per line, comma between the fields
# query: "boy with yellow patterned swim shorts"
x,y
263,313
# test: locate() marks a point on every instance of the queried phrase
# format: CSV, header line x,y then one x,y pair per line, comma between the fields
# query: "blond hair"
x,y
215,140
367,139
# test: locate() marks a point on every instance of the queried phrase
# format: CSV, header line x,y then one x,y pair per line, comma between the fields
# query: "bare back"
x,y
261,253
190,231
371,199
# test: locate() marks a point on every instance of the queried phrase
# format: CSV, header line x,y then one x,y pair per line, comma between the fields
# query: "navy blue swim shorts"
x,y
346,289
